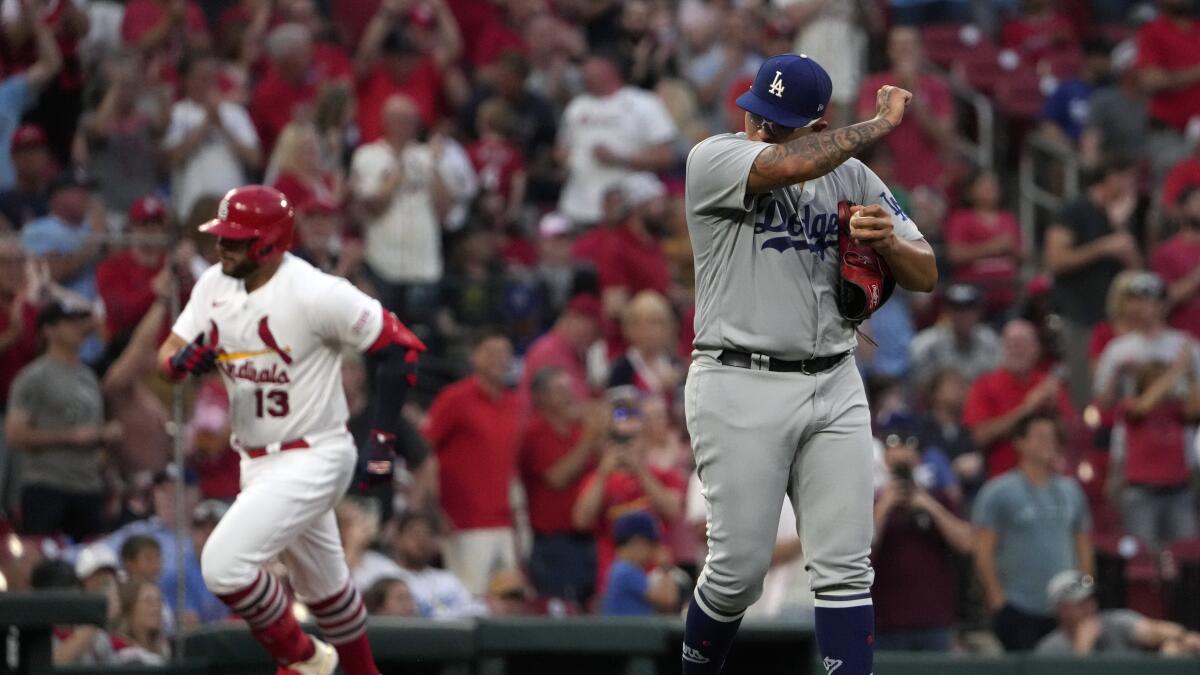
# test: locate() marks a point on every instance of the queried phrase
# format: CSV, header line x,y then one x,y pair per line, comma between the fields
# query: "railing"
x,y
1032,194
980,152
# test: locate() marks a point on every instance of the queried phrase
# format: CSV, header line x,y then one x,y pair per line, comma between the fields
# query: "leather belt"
x,y
255,453
817,364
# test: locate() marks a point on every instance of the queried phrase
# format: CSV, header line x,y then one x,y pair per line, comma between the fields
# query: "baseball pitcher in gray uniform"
x,y
774,403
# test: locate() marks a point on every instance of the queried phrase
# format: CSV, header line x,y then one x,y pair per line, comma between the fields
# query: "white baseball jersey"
x,y
281,347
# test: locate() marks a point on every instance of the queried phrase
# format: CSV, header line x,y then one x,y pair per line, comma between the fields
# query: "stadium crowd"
x,y
506,175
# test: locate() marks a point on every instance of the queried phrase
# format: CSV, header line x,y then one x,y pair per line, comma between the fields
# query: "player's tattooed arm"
x,y
814,154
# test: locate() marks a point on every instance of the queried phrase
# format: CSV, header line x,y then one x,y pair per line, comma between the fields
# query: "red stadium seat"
x,y
946,44
1144,585
980,68
1063,64
1018,94
1184,587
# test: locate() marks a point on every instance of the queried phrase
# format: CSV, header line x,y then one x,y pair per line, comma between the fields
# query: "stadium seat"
x,y
945,44
1018,94
982,68
1144,584
1063,64
1184,588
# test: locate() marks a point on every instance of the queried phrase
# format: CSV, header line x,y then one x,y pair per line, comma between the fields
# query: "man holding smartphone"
x,y
624,482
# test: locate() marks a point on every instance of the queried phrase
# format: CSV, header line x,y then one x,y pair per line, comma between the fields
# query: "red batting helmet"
x,y
255,212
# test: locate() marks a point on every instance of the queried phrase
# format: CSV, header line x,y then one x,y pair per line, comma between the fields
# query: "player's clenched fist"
x,y
891,102
194,358
871,225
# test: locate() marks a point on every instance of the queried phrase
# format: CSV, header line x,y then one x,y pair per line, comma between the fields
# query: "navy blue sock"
x,y
706,641
845,631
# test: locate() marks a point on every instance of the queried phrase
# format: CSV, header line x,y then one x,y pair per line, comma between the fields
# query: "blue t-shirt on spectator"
x,y
14,99
50,235
1067,107
625,594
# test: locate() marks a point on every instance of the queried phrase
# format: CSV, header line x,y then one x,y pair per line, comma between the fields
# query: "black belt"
x,y
817,364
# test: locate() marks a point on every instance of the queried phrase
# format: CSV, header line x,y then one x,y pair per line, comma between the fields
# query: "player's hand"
x,y
872,225
194,358
891,102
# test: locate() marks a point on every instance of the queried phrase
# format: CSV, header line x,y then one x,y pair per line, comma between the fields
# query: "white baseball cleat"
x,y
323,661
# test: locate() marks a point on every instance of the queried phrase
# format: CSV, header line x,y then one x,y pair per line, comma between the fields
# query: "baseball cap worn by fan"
x,y
94,558
56,311
147,209
962,296
791,90
1069,586
636,524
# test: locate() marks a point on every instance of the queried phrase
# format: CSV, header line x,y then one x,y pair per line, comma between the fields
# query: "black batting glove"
x,y
194,358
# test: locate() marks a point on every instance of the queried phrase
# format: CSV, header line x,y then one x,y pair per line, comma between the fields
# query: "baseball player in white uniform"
x,y
275,327
774,403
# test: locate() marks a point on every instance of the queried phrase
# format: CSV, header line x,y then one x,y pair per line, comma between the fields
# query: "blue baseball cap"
x,y
790,89
636,524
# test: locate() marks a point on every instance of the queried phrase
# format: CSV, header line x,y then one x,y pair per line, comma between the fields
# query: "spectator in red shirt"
x,y
499,163
566,344
1000,399
917,529
559,448
172,26
1157,502
299,168
1177,261
18,343
624,482
142,415
590,246
123,277
1039,30
632,259
474,427
984,244
1168,64
319,241
926,138
290,84
389,62
1182,177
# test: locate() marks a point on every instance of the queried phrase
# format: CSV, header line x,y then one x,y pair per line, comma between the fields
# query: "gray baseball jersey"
x,y
766,264
766,274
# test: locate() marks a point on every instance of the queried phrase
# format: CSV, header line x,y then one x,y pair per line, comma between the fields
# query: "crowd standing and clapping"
x,y
507,178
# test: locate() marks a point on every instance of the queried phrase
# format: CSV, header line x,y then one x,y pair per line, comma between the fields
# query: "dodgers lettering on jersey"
x,y
767,264
281,347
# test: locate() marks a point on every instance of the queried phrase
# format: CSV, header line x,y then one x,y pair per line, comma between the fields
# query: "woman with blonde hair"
x,y
297,170
649,364
1116,323
139,636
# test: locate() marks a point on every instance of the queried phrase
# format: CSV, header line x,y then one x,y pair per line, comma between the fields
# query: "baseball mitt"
x,y
865,282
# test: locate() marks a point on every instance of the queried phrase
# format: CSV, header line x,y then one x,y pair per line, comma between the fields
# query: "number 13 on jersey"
x,y
273,402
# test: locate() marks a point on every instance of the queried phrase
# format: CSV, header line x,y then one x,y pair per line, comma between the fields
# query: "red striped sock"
x,y
264,606
342,619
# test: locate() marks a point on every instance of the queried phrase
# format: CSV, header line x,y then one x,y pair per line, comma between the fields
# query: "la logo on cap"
x,y
777,85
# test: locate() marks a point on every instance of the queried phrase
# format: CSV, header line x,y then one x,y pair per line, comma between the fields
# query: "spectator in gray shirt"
x,y
1031,524
56,418
1084,630
959,341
